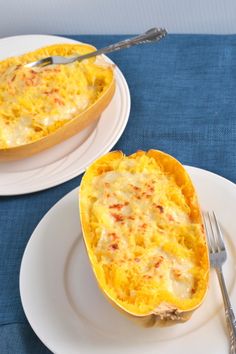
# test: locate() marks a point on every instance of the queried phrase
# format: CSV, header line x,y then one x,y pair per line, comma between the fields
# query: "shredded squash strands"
x,y
35,102
144,235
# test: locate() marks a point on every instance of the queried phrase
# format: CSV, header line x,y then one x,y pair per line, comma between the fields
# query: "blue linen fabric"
x,y
183,95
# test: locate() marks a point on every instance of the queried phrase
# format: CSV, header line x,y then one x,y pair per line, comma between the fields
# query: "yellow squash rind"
x,y
166,314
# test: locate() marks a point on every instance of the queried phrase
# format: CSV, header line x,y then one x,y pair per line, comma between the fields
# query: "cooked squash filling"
x,y
37,101
145,248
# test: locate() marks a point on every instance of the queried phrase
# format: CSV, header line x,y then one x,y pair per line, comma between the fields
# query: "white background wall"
x,y
116,16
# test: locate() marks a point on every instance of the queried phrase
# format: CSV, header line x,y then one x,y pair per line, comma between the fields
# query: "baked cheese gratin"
x,y
144,233
35,102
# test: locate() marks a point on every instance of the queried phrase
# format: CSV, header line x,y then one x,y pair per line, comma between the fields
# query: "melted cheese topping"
x,y
145,245
36,101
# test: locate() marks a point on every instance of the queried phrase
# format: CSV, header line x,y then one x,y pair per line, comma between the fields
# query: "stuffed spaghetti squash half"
x,y
42,106
144,235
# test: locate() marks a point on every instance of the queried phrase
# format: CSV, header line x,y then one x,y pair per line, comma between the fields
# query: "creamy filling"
x,y
133,211
20,132
36,101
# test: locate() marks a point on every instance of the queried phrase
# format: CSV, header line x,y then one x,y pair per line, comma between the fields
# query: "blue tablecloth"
x,y
183,94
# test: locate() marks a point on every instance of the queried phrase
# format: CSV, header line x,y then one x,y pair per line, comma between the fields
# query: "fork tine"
x,y
209,232
219,233
213,235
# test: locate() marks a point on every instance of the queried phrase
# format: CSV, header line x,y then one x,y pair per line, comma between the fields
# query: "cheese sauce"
x,y
136,219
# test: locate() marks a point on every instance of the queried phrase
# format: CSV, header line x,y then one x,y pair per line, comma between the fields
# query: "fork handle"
x,y
229,313
152,35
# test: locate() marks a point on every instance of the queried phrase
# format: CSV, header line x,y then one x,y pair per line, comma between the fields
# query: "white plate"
x,y
70,315
70,158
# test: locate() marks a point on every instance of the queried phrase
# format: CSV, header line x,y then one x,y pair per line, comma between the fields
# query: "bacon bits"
x,y
59,101
159,261
159,207
50,92
118,217
118,206
115,246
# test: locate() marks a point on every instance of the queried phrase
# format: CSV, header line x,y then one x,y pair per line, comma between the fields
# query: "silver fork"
x,y
152,35
218,256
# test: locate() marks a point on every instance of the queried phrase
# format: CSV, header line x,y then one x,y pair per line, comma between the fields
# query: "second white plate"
x,y
70,158
70,315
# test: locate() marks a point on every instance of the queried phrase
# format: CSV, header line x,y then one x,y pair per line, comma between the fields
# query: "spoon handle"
x,y
152,35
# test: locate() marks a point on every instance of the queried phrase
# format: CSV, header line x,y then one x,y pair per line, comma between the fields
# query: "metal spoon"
x,y
152,35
